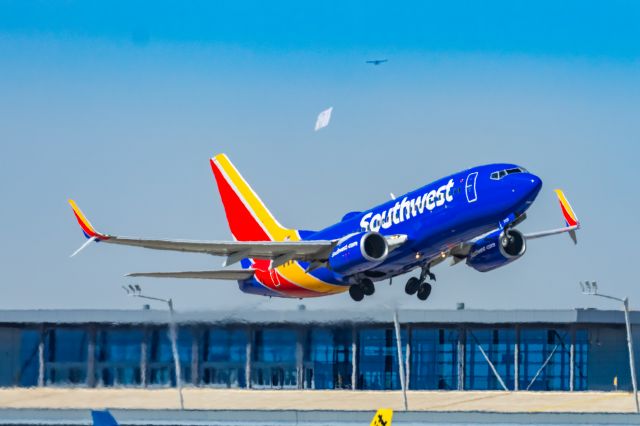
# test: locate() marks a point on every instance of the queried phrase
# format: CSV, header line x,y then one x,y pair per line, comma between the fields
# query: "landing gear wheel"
x,y
412,286
356,292
424,291
367,287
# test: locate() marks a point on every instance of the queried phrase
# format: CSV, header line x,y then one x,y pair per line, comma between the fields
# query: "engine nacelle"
x,y
358,253
496,249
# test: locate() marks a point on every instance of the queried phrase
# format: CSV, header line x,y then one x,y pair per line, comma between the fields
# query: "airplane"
x,y
468,216
376,62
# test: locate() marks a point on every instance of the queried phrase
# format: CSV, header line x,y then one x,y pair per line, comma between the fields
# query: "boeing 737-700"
x,y
469,216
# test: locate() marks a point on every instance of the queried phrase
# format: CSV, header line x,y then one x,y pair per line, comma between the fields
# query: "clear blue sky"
x,y
120,104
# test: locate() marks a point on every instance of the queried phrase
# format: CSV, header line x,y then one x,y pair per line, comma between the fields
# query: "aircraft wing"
x,y
571,221
223,274
279,252
541,234
572,224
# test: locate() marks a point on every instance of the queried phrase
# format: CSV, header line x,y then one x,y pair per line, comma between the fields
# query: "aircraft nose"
x,y
535,184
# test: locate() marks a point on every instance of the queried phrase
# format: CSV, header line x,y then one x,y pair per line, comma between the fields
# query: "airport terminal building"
x,y
564,350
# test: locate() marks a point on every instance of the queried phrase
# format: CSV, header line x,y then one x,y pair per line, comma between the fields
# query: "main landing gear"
x,y
363,288
419,286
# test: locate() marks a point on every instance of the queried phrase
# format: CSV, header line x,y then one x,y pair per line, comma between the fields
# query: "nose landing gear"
x,y
419,285
364,287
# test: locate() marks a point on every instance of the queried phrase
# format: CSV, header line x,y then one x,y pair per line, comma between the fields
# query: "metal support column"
x,y
407,365
143,359
173,335
91,357
516,360
41,357
486,358
195,355
300,358
462,340
542,367
591,289
248,355
354,358
632,363
572,359
396,323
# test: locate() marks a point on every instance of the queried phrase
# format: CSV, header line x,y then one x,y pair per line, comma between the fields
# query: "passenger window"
x,y
503,173
494,176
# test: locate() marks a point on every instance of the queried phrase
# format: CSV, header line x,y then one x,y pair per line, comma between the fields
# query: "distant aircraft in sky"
x,y
468,216
377,62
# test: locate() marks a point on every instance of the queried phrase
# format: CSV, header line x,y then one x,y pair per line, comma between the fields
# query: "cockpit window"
x,y
502,173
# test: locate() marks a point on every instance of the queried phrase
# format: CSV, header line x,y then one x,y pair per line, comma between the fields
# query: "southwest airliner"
x,y
469,216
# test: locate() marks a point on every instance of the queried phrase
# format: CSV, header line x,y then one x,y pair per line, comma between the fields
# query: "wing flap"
x,y
230,274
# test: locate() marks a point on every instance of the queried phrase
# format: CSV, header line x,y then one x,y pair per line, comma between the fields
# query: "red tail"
x,y
248,217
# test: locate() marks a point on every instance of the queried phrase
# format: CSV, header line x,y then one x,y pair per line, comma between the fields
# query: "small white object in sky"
x,y
323,119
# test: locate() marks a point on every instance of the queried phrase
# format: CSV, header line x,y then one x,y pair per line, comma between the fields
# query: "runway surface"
x,y
33,417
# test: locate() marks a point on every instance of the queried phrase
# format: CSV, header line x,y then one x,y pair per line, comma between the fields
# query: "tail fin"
x,y
249,219
103,418
570,217
382,417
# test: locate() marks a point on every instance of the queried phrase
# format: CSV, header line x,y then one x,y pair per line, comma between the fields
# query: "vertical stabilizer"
x,y
248,217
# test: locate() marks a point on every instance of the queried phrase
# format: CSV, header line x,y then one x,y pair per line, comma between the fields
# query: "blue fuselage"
x,y
435,218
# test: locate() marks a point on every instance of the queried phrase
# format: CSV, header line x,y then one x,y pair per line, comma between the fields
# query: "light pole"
x,y
591,289
134,290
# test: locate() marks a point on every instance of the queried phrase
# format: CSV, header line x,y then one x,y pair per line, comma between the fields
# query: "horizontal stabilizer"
x,y
230,274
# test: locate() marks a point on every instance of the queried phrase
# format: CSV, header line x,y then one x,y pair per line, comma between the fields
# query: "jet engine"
x,y
358,252
496,249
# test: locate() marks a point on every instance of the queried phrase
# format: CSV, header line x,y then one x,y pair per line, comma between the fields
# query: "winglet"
x,y
88,229
570,217
382,417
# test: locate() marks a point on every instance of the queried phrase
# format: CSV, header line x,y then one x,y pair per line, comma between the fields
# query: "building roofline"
x,y
311,316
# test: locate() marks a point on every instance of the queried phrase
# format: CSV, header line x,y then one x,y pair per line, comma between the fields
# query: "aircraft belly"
x,y
404,259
